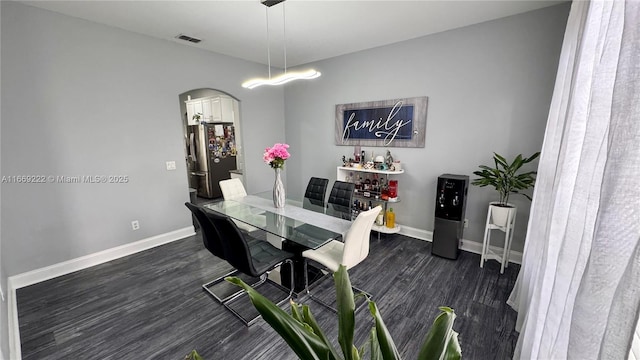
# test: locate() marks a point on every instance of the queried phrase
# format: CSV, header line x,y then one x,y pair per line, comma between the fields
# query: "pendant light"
x,y
285,77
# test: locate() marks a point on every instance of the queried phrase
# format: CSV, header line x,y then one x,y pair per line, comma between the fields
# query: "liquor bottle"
x,y
374,183
383,189
391,218
367,184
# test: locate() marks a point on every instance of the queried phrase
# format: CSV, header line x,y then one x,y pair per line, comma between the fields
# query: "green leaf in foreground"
x,y
346,312
441,338
385,341
193,355
301,340
303,335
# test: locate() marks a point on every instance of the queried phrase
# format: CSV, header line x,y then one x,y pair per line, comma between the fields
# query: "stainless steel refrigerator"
x,y
211,153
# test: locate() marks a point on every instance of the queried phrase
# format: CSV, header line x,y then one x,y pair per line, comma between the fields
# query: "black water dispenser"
x,y
451,202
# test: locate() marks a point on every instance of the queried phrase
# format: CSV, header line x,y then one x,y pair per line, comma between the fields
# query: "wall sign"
x,y
388,123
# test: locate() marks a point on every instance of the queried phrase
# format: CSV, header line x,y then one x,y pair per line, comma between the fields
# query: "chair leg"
x,y
217,281
353,288
263,278
290,262
207,287
306,288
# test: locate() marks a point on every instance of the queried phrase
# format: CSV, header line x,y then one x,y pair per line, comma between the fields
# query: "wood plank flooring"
x,y
151,305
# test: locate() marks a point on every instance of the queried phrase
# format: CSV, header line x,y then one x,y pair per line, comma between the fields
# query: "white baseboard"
x,y
15,351
38,275
467,245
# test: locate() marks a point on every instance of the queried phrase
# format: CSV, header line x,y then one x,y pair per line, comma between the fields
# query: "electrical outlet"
x,y
466,223
171,165
135,225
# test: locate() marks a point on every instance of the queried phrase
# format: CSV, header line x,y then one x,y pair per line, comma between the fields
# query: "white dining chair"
x,y
232,189
349,253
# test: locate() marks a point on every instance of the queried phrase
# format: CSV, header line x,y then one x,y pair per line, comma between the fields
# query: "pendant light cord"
x,y
284,77
266,11
284,37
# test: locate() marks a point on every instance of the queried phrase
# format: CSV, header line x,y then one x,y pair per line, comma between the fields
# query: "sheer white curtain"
x,y
578,291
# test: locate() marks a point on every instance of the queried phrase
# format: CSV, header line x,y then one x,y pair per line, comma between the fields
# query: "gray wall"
x,y
489,89
4,310
80,98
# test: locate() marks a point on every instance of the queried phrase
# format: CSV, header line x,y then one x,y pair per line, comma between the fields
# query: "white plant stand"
x,y
507,227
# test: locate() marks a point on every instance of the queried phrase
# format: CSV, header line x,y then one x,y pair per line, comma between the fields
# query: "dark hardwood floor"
x,y
151,305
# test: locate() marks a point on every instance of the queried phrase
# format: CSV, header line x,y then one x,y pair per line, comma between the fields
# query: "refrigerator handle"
x,y
192,147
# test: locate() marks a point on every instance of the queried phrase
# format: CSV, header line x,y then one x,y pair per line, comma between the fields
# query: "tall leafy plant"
x,y
504,177
303,335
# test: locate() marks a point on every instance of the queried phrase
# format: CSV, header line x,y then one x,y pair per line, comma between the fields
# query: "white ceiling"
x,y
315,30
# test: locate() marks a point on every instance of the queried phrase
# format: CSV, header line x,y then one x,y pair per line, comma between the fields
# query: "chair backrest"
x,y
232,189
356,242
315,194
236,249
341,199
210,236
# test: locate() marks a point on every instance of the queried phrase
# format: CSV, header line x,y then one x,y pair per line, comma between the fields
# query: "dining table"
x,y
296,227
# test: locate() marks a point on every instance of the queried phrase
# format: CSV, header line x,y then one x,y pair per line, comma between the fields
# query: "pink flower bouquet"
x,y
276,155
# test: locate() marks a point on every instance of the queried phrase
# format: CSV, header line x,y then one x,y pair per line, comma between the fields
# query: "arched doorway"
x,y
212,141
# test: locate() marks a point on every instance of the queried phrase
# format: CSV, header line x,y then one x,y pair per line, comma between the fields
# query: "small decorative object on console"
x,y
388,160
397,166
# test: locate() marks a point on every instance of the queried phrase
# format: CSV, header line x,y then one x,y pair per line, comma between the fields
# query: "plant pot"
x,y
501,215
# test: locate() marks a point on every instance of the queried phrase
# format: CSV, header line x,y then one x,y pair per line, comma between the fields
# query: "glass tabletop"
x,y
303,226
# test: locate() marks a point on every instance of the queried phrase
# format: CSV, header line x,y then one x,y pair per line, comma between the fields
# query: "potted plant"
x,y
196,117
507,180
305,337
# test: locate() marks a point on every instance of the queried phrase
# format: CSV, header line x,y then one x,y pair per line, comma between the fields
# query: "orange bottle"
x,y
391,219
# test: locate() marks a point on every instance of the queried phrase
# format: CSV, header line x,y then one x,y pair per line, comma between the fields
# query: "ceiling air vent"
x,y
188,38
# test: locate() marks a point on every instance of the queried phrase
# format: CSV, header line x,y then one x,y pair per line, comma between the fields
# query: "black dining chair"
x,y
314,195
314,199
251,257
213,243
340,201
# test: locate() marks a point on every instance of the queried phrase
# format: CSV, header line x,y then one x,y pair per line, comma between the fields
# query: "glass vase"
x,y
278,190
